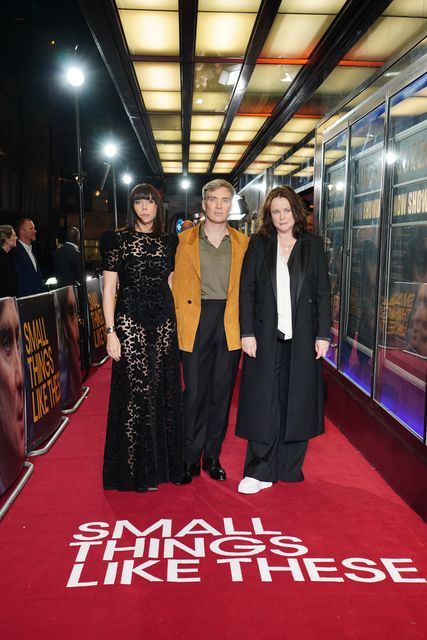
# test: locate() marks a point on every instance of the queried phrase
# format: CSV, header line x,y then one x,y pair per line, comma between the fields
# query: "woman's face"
x,y
10,243
11,380
145,210
282,215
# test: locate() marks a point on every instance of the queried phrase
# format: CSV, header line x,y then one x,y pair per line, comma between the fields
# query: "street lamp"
x,y
185,184
75,78
127,180
110,150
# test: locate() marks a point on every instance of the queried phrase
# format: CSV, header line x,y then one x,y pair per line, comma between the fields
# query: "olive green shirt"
x,y
214,266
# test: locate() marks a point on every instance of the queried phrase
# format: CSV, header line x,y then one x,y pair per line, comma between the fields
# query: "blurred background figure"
x,y
30,278
8,278
67,266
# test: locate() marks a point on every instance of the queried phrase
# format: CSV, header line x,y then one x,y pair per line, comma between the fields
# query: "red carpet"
x,y
337,556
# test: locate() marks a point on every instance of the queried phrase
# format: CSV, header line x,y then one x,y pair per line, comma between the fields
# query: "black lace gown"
x,y
144,442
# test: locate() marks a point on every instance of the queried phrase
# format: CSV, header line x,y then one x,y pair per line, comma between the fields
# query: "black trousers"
x,y
278,460
209,376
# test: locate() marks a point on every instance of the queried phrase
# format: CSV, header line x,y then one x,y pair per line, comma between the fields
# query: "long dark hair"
x,y
265,223
146,191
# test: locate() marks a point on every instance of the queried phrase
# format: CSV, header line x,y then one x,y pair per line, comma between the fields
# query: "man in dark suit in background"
x,y
30,279
66,260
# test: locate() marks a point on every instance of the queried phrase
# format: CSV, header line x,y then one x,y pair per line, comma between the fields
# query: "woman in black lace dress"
x,y
144,443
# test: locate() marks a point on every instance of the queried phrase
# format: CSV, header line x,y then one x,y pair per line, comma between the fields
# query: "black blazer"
x,y
8,279
66,265
310,301
30,281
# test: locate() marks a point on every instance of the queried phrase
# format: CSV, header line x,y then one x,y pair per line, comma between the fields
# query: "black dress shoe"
x,y
214,469
192,469
186,478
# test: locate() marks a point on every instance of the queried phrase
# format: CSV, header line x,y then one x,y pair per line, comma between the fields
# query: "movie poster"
x,y
12,437
41,367
97,335
67,322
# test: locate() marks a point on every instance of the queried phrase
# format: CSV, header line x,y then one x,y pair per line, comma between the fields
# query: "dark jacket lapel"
x,y
298,264
271,255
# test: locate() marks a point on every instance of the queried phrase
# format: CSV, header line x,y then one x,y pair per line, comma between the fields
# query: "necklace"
x,y
289,245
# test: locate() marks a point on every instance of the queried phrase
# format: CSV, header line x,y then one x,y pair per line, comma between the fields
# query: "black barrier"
x,y
67,323
41,367
98,339
12,440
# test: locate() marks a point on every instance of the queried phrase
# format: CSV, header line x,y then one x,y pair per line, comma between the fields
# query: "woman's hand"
x,y
249,346
321,347
113,346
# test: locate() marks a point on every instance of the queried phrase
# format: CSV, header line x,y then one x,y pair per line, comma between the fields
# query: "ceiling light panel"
x,y
300,125
151,32
272,78
158,76
206,123
223,167
223,34
167,136
215,76
342,80
387,36
204,101
165,123
295,36
311,6
201,148
247,123
240,136
198,167
229,5
162,100
203,136
169,148
159,5
413,8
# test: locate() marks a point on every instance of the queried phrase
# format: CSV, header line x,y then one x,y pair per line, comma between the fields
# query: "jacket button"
x,y
189,301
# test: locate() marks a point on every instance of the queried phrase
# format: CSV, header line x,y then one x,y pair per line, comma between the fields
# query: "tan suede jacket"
x,y
186,288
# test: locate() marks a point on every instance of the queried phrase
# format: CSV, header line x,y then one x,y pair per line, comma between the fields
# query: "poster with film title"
x,y
98,338
41,367
67,322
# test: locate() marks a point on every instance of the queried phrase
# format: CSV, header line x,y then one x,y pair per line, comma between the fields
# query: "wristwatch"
x,y
110,329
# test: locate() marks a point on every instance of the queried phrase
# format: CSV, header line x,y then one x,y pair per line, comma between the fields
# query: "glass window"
x,y
334,190
402,349
358,335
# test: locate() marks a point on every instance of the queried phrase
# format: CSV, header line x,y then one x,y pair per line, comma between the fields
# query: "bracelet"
x,y
110,329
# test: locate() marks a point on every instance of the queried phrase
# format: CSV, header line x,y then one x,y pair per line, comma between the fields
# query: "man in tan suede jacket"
x,y
206,292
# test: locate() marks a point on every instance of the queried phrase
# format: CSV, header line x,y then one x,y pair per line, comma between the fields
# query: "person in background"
x,y
67,266
145,440
206,292
285,325
8,278
30,279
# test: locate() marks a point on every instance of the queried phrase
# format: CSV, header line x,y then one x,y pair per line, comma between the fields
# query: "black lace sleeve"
x,y
109,250
173,243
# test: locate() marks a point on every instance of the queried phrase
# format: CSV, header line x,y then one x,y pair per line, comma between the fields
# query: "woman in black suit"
x,y
285,324
8,279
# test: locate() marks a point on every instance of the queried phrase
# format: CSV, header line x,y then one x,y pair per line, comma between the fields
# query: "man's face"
x,y
217,205
11,381
27,232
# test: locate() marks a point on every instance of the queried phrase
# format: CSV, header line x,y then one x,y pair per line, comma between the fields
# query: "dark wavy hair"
x,y
265,226
146,191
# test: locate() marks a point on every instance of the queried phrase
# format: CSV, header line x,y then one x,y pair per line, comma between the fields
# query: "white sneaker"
x,y
252,485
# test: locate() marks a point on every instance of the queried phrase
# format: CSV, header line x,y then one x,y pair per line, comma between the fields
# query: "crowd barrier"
x,y
41,381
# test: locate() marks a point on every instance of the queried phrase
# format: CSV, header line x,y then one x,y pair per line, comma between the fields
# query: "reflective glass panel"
x,y
402,348
358,335
334,190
